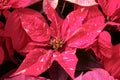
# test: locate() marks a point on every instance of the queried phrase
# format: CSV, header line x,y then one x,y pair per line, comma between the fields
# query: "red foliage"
x,y
44,37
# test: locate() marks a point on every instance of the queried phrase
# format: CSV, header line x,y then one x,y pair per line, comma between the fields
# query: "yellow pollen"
x,y
56,43
108,18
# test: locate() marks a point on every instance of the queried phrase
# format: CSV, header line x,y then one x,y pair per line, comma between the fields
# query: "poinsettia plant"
x,y
59,39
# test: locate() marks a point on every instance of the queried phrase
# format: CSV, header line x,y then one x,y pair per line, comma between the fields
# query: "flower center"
x,y
56,43
108,19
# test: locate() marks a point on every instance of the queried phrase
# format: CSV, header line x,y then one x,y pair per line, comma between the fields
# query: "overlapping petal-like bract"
x,y
5,45
103,46
53,3
23,31
46,55
27,32
72,31
96,74
6,4
56,20
109,6
112,64
75,32
111,9
91,26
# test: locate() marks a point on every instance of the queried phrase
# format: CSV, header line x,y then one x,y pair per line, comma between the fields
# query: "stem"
x,y
63,7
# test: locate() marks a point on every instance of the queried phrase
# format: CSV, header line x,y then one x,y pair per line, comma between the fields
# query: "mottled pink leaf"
x,y
2,55
112,64
27,24
68,61
103,46
26,77
72,22
6,4
83,2
109,6
36,62
56,21
94,15
34,25
96,74
86,33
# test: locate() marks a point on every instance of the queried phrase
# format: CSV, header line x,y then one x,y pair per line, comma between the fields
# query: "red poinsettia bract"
x,y
103,46
43,44
111,10
112,64
96,74
6,4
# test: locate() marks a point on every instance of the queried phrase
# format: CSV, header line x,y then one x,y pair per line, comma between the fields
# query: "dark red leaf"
x,y
1,29
56,72
2,55
7,74
10,50
112,64
103,46
1,25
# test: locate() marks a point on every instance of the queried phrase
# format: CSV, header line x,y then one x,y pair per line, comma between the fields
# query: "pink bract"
x,y
6,4
43,41
103,46
112,64
109,7
111,10
96,74
31,34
